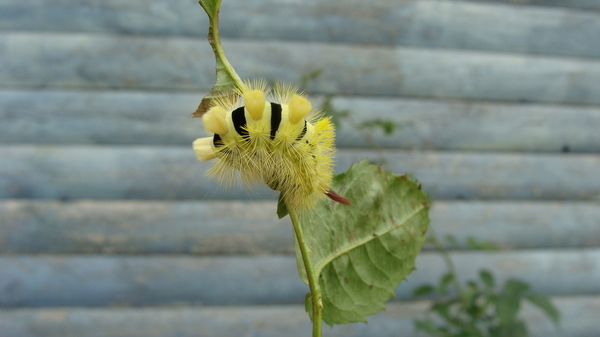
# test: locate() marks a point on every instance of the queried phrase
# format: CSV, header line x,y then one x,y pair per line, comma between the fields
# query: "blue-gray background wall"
x,y
108,226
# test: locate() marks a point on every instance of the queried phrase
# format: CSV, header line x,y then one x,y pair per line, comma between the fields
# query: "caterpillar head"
x,y
273,136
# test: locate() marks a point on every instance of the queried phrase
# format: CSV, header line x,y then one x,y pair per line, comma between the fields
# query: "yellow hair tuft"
x,y
299,107
203,149
215,120
255,103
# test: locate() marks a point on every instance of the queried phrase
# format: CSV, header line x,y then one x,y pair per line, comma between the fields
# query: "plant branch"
x,y
227,79
450,265
313,279
214,40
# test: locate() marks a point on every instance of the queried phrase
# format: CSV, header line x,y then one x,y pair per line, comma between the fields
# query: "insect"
x,y
272,136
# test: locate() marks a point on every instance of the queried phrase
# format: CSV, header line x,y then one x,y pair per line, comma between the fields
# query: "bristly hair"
x,y
272,136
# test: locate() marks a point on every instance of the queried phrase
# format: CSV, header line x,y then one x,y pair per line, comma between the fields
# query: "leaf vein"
x,y
352,246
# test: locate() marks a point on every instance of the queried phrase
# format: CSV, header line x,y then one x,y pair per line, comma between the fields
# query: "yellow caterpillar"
x,y
272,136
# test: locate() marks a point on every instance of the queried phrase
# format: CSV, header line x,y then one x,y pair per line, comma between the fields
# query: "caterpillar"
x,y
274,136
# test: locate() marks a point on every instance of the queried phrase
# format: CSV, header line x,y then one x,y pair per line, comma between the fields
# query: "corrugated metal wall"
x,y
109,228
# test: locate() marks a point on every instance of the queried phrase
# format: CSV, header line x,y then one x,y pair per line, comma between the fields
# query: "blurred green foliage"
x,y
477,307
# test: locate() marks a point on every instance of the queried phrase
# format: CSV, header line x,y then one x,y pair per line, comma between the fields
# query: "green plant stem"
x,y
313,281
214,39
450,265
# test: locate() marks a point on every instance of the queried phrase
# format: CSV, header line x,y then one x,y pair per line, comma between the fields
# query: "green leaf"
x,y
443,309
472,286
514,329
388,127
543,303
508,302
211,7
308,304
487,278
507,308
282,210
423,290
427,325
515,288
363,251
227,79
474,244
445,280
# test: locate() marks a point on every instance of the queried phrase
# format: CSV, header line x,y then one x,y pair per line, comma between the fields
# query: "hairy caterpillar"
x,y
272,136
